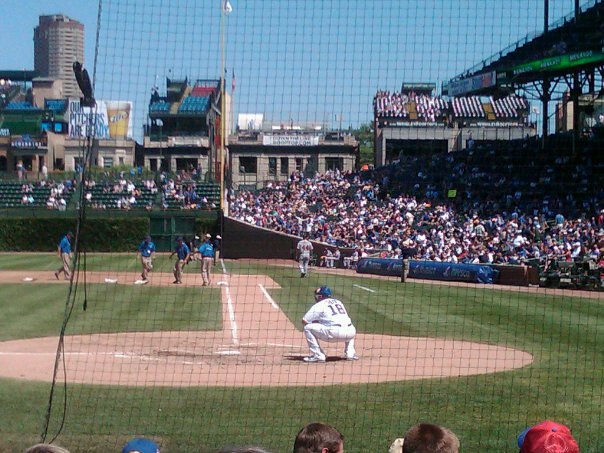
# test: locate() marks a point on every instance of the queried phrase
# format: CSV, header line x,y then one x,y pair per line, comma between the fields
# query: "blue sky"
x,y
306,60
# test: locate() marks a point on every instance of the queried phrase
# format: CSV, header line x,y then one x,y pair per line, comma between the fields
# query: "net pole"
x,y
222,101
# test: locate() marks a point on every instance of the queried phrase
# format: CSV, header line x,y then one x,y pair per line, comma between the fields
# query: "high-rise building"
x,y
58,42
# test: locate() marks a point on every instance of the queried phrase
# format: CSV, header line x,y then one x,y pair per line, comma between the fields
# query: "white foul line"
x,y
232,321
268,296
224,271
364,288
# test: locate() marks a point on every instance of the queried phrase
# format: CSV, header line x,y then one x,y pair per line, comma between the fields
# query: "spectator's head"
x,y
547,437
45,448
428,438
140,445
319,438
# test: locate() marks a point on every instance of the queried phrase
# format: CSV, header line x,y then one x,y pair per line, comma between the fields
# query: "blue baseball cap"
x,y
140,445
323,291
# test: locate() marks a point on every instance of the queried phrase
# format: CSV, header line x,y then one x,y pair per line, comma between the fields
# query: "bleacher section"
x,y
159,107
104,196
435,109
194,104
182,197
497,177
12,193
20,106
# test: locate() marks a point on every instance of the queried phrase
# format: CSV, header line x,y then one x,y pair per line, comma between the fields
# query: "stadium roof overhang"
x,y
553,54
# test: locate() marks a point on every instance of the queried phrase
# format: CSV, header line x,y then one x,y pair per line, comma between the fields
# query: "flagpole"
x,y
222,104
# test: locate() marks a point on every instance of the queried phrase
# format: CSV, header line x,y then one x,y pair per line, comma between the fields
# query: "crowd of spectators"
x,y
545,437
56,194
434,108
403,210
183,192
398,105
120,193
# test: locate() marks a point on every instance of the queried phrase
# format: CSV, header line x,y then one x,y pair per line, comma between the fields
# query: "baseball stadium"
x,y
226,224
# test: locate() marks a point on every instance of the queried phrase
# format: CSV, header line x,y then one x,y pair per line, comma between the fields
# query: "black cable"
x,y
72,293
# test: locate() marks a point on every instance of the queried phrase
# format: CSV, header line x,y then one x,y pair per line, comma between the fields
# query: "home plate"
x,y
228,352
222,283
110,280
28,279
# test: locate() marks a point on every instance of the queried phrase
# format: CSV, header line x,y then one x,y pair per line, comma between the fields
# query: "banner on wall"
x,y
109,119
290,140
429,270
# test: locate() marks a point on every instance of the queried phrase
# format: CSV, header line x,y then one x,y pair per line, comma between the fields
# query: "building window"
x,y
248,165
284,166
299,164
121,161
272,166
334,163
108,162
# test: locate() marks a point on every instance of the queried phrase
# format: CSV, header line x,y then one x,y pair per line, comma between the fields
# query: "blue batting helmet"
x,y
323,292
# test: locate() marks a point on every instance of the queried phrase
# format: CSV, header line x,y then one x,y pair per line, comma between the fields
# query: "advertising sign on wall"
x,y
109,119
290,140
429,270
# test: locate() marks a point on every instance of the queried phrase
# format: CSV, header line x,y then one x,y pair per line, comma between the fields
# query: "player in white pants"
x,y
305,249
328,320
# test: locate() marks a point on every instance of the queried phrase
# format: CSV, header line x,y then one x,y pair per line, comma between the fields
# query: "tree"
x,y
365,135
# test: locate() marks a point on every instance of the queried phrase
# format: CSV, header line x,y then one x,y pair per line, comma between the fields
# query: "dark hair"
x,y
428,438
316,436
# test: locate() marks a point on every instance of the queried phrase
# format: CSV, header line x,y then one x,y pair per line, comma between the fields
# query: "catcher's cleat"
x,y
314,359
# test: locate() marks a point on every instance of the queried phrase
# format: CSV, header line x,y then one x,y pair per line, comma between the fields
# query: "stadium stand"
x,y
20,106
194,104
472,206
159,106
189,194
42,194
434,108
120,194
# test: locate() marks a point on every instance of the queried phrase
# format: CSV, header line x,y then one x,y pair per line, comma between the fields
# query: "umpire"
x,y
217,246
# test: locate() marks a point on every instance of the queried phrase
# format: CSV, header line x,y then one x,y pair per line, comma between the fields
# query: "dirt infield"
x,y
258,346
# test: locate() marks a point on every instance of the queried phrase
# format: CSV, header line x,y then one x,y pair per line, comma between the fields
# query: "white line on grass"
x,y
224,271
268,296
364,288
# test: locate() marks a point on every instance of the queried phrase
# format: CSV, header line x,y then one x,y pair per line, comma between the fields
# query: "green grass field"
x,y
565,382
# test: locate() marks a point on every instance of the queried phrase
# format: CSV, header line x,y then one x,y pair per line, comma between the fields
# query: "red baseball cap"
x,y
547,437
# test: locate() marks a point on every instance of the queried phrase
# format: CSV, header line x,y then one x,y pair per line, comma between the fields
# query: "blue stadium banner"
x,y
429,270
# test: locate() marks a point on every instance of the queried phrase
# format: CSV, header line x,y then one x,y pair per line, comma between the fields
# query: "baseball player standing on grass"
x,y
305,249
328,320
182,256
206,249
64,252
146,250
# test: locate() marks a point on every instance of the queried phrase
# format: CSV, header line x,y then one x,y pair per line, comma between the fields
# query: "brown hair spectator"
x,y
319,438
428,438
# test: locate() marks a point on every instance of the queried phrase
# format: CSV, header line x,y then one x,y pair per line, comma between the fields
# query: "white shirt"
x,y
329,312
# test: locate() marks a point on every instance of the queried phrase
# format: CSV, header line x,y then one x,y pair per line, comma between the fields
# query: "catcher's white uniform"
x,y
328,320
